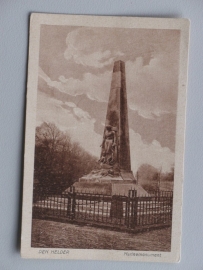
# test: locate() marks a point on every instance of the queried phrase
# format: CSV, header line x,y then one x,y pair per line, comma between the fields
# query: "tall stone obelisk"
x,y
117,118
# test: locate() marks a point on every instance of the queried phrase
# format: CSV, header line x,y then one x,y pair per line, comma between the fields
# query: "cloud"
x,y
153,154
70,104
86,46
81,114
76,122
97,59
152,89
96,87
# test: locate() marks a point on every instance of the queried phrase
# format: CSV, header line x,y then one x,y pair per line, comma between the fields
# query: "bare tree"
x,y
59,161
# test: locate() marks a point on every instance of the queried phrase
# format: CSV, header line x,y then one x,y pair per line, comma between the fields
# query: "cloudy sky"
x,y
75,69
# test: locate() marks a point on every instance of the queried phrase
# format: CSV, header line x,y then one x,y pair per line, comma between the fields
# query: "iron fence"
x,y
126,211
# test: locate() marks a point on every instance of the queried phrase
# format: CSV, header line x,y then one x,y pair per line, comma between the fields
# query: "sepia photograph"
x,y
104,141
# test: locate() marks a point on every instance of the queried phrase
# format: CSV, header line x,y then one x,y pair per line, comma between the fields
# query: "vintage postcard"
x,y
104,142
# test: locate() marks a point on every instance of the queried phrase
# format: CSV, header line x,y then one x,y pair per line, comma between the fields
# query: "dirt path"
x,y
65,235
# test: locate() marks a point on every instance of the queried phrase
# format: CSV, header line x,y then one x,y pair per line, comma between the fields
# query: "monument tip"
x,y
119,65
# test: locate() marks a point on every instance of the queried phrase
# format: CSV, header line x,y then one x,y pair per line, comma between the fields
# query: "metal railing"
x,y
123,211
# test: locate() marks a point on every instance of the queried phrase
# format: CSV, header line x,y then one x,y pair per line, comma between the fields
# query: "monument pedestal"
x,y
108,186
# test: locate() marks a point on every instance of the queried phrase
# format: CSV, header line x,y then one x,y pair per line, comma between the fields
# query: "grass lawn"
x,y
50,234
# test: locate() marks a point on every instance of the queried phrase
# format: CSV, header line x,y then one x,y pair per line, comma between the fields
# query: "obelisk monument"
x,y
117,122
115,175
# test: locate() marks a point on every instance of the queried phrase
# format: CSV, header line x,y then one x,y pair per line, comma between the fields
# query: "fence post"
x,y
69,205
134,209
116,210
127,210
73,203
171,205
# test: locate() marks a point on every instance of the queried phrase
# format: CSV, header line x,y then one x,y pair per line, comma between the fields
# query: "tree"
x,y
152,178
59,162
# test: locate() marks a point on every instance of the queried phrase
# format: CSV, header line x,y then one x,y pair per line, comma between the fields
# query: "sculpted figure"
x,y
108,146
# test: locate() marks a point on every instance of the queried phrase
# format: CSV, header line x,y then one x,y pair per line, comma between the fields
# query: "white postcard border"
x,y
101,21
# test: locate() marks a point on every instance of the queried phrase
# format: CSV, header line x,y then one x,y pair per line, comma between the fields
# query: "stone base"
x,y
108,186
110,173
103,179
123,188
